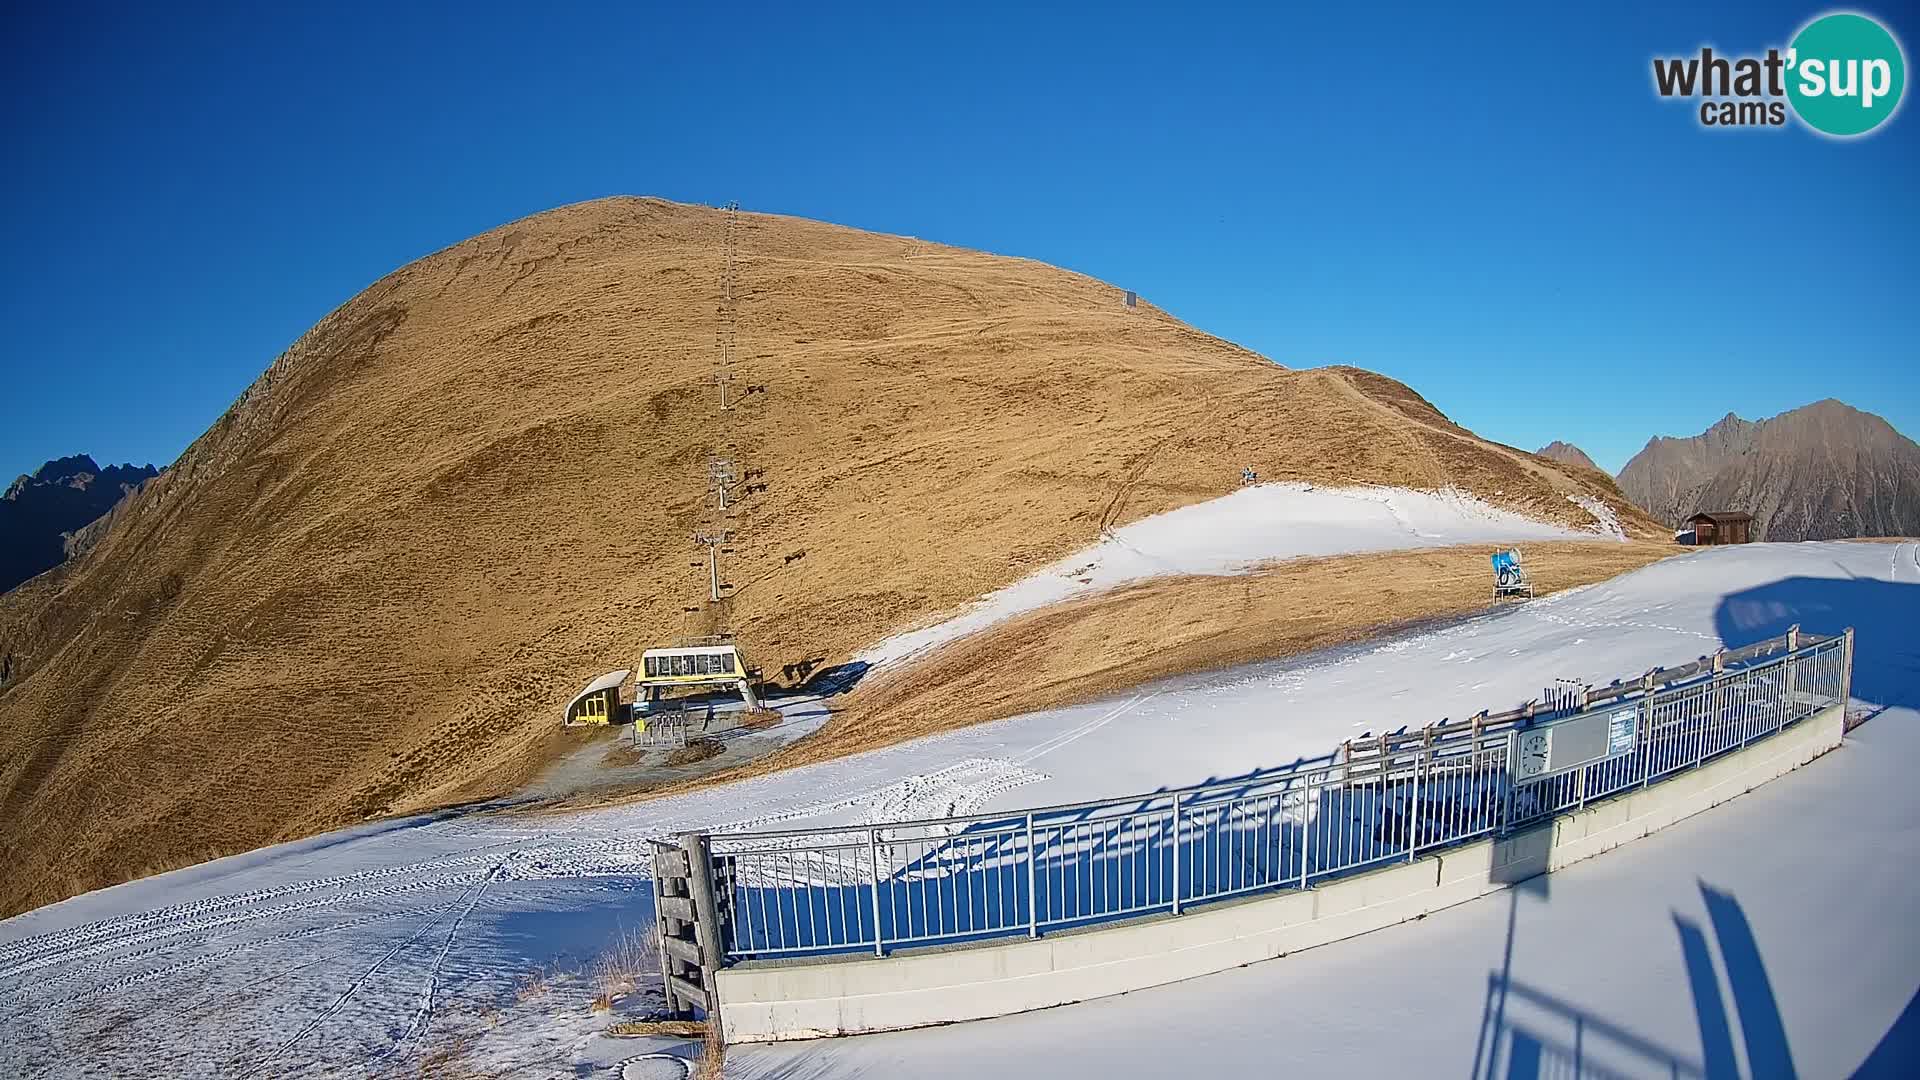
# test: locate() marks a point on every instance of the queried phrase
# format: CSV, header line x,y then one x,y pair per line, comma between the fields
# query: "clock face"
x,y
1532,759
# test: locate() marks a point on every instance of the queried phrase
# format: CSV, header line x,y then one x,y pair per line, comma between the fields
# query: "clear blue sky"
x,y
1493,206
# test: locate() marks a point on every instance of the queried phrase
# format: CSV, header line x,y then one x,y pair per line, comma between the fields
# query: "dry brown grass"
x,y
760,719
449,1060
532,986
695,752
673,1029
632,959
713,1056
370,586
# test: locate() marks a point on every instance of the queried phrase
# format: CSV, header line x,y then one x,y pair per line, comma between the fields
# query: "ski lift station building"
x,y
692,666
599,703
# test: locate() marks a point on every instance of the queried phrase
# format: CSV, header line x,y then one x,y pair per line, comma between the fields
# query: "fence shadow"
x,y
1528,1033
1886,666
1898,1054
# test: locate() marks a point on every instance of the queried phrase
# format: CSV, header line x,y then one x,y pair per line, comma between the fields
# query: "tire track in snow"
x,y
204,959
365,977
424,1015
156,942
69,938
1895,563
125,982
1074,734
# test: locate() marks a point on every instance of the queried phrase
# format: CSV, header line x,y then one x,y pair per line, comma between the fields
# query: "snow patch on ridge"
x,y
1605,521
1239,532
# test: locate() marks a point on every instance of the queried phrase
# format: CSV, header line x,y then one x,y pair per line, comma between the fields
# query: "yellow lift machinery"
x,y
693,665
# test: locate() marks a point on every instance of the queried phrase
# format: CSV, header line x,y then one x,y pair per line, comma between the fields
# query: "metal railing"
x,y
1371,803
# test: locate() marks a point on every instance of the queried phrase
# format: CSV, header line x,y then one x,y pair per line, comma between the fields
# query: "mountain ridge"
x,y
41,511
1825,470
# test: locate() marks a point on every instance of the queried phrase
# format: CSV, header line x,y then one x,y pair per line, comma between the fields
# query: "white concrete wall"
x,y
794,1000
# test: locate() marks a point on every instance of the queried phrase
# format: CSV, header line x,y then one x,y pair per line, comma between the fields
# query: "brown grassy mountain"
x,y
1567,454
371,584
40,510
1819,472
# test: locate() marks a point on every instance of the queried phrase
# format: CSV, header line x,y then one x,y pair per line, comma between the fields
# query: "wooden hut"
x,y
1721,527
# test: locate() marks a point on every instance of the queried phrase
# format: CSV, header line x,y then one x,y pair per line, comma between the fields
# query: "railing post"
x,y
1846,675
1646,728
706,918
873,863
1581,803
1306,829
1792,665
1413,815
1033,880
1710,697
1745,713
1176,853
1506,789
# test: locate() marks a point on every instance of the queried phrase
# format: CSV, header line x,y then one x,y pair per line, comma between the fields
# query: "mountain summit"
x,y
371,585
1822,471
40,511
1567,454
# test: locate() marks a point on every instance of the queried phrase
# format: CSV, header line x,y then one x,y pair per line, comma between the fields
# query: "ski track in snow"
x,y
1904,560
368,939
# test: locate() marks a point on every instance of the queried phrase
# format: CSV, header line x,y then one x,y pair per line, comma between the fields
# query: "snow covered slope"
x,y
1255,525
362,951
1768,938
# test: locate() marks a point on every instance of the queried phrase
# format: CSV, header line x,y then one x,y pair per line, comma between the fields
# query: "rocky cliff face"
x,y
41,510
1820,472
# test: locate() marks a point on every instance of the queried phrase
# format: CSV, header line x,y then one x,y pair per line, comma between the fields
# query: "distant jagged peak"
x,y
1567,454
1831,411
60,470
79,472
1730,432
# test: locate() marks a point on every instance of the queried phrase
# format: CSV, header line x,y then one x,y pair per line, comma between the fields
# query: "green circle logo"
x,y
1845,74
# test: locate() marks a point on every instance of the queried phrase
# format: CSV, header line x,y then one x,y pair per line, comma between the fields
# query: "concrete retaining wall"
x,y
772,1000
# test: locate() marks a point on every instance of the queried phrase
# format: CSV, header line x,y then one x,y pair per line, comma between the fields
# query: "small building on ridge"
x,y
1721,527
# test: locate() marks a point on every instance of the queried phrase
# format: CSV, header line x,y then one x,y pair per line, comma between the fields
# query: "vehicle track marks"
x,y
364,977
423,1017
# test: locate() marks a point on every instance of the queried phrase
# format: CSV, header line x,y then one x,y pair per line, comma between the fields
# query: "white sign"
x,y
1623,727
1565,745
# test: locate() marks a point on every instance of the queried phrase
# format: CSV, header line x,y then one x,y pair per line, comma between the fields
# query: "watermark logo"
x,y
1843,75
